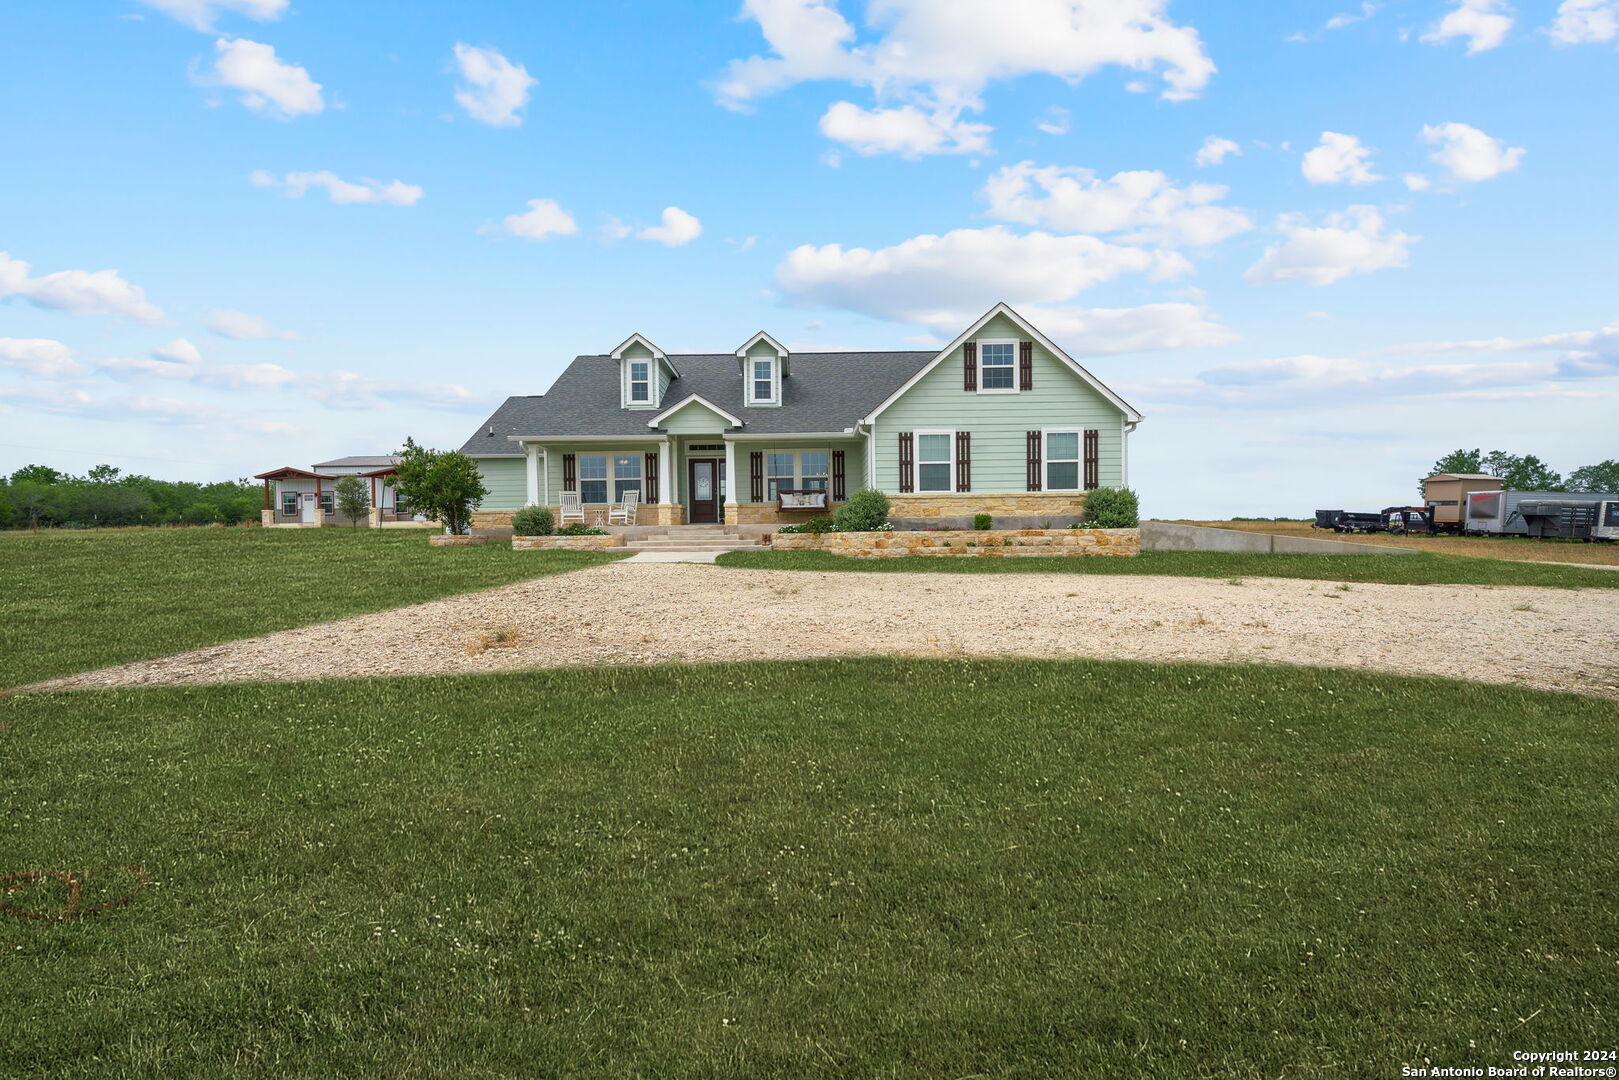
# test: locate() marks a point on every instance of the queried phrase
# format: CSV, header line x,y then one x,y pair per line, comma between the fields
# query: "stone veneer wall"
x,y
992,543
1031,503
566,543
645,514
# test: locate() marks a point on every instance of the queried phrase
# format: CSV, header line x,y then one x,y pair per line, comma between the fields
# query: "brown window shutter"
x,y
1032,441
839,486
570,476
756,475
1025,363
1093,468
964,461
649,478
969,366
907,462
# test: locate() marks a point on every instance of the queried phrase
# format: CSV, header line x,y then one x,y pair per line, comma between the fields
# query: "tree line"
x,y
1526,472
38,496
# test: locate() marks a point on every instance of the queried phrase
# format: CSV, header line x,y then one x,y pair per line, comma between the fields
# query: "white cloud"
x,y
1349,242
340,191
495,90
907,131
1583,22
932,279
1054,121
1469,155
1484,23
77,292
615,229
1339,159
1108,331
1417,181
179,351
200,14
942,54
1215,150
1147,207
1578,342
1339,21
678,228
543,218
240,326
266,84
40,357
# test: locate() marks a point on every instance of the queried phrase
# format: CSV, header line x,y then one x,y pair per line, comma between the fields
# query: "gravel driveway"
x,y
658,613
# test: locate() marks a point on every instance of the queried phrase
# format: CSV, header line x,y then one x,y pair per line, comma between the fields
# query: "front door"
x,y
702,477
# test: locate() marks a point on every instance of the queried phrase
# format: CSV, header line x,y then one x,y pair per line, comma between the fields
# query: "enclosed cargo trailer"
x,y
1607,526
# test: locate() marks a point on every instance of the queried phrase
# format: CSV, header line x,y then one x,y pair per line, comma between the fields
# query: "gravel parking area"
x,y
660,613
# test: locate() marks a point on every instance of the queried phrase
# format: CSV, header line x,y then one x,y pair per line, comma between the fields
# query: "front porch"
x,y
694,478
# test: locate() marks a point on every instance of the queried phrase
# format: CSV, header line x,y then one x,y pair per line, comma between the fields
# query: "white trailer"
x,y
1607,526
1496,512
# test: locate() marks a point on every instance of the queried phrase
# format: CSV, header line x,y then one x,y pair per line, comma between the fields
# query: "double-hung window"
x,y
328,502
1062,460
593,478
626,476
640,381
787,471
935,461
763,378
997,366
289,503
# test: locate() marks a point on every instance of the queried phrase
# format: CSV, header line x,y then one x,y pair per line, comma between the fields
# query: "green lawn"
x,y
865,868
1414,569
72,601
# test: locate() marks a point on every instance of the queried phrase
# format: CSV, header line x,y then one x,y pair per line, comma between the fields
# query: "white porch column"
x,y
665,473
533,452
730,472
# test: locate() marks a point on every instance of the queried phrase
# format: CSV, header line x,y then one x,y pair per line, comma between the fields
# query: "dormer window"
x,y
644,373
640,381
764,380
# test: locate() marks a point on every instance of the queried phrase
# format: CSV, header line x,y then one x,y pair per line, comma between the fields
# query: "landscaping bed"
x,y
993,543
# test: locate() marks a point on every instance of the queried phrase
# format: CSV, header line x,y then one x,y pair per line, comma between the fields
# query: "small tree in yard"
x,y
353,499
444,485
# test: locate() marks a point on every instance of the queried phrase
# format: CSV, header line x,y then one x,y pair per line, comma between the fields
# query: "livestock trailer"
x,y
1501,512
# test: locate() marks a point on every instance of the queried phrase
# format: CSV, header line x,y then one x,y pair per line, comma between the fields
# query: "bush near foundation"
x,y
534,521
1112,508
865,511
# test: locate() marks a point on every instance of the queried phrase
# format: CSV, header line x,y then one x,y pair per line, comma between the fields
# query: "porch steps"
x,y
694,538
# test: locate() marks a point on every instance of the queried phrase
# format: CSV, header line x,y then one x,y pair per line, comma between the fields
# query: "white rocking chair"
x,y
572,510
624,513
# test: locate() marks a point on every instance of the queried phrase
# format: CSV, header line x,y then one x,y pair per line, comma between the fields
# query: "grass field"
x,y
71,601
1424,569
858,868
1491,547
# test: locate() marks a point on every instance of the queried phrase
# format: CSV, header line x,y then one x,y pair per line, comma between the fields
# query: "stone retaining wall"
x,y
566,543
991,543
457,541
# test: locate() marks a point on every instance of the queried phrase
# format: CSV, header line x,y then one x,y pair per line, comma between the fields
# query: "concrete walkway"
x,y
675,556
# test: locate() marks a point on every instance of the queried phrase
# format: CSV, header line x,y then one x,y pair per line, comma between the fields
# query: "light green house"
x,y
1001,421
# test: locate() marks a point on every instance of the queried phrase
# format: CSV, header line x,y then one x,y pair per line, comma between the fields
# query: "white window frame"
x,y
753,380
917,462
605,479
614,480
982,389
292,497
630,382
1079,460
798,475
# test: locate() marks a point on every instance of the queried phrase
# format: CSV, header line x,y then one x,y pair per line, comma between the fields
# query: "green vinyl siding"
x,y
662,376
696,419
761,350
854,463
553,464
999,423
507,481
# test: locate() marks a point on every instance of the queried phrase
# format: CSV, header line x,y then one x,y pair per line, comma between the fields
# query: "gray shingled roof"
x,y
826,392
376,461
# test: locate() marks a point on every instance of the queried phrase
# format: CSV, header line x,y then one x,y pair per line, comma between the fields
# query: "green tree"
x,y
444,485
1601,477
32,500
1459,461
37,474
353,499
103,474
1529,473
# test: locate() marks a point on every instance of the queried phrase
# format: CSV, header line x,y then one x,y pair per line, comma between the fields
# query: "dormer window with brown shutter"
x,y
997,367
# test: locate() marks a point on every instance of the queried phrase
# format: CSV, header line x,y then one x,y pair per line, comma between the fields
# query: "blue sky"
x,y
246,233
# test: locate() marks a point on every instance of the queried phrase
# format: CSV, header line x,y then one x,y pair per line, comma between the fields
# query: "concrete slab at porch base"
x,y
1167,536
674,556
